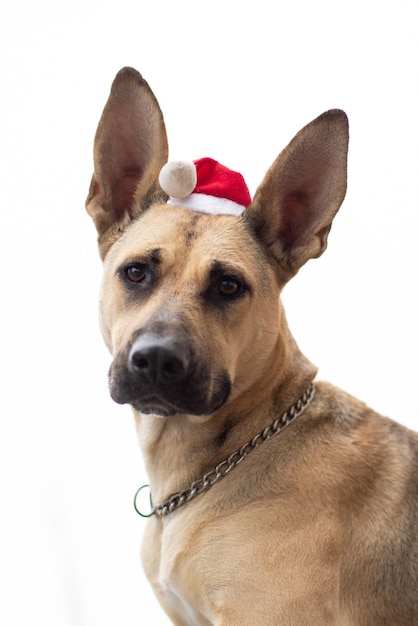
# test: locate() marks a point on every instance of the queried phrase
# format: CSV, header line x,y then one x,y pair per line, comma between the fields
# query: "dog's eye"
x,y
229,286
135,273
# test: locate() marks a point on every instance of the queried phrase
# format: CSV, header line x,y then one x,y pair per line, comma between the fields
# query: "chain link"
x,y
224,467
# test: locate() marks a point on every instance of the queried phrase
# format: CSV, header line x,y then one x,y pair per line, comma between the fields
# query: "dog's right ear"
x,y
294,206
130,148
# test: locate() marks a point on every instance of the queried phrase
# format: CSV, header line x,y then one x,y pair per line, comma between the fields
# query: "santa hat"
x,y
205,186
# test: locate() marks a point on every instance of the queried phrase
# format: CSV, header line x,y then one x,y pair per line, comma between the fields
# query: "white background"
x,y
235,81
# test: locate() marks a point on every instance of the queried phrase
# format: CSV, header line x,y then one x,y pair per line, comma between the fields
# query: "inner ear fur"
x,y
130,148
294,206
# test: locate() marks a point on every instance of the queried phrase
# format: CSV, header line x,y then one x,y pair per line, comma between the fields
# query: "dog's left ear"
x,y
293,208
130,149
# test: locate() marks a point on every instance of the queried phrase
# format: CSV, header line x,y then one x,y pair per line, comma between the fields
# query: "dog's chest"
x,y
169,560
186,580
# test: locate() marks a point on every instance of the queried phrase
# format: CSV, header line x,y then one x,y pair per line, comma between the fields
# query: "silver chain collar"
x,y
197,487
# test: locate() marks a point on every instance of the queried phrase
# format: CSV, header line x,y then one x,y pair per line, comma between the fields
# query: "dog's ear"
x,y
294,206
130,148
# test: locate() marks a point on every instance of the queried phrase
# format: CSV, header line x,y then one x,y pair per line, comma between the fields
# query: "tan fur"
x,y
319,525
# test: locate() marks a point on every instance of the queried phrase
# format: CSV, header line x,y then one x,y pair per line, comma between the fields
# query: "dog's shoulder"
x,y
349,414
370,453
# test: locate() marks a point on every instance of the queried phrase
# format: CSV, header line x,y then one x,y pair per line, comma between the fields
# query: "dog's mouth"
x,y
161,376
162,407
189,398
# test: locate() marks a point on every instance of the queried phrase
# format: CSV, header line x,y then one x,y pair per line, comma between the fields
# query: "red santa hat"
x,y
205,186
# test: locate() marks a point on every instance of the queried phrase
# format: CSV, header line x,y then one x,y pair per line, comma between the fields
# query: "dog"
x,y
276,499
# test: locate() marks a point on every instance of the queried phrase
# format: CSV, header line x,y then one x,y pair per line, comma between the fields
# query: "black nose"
x,y
159,359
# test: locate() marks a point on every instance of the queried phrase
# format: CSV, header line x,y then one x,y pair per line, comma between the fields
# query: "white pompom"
x,y
178,178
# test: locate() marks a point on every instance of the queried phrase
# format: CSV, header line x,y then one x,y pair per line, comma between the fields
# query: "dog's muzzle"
x,y
161,374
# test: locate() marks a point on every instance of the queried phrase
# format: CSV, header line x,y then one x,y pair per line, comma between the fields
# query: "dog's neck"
x,y
180,449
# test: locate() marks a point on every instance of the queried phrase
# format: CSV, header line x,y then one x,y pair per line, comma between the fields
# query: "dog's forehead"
x,y
180,233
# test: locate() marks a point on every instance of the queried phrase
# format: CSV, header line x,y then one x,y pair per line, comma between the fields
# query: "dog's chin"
x,y
157,410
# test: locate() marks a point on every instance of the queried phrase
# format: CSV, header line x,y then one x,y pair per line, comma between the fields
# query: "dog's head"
x,y
189,304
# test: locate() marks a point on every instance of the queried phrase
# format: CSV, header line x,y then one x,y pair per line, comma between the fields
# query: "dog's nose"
x,y
159,359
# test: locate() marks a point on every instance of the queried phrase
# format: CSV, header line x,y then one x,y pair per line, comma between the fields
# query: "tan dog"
x,y
313,524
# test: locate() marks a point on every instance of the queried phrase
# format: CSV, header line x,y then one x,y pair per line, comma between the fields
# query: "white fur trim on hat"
x,y
209,204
